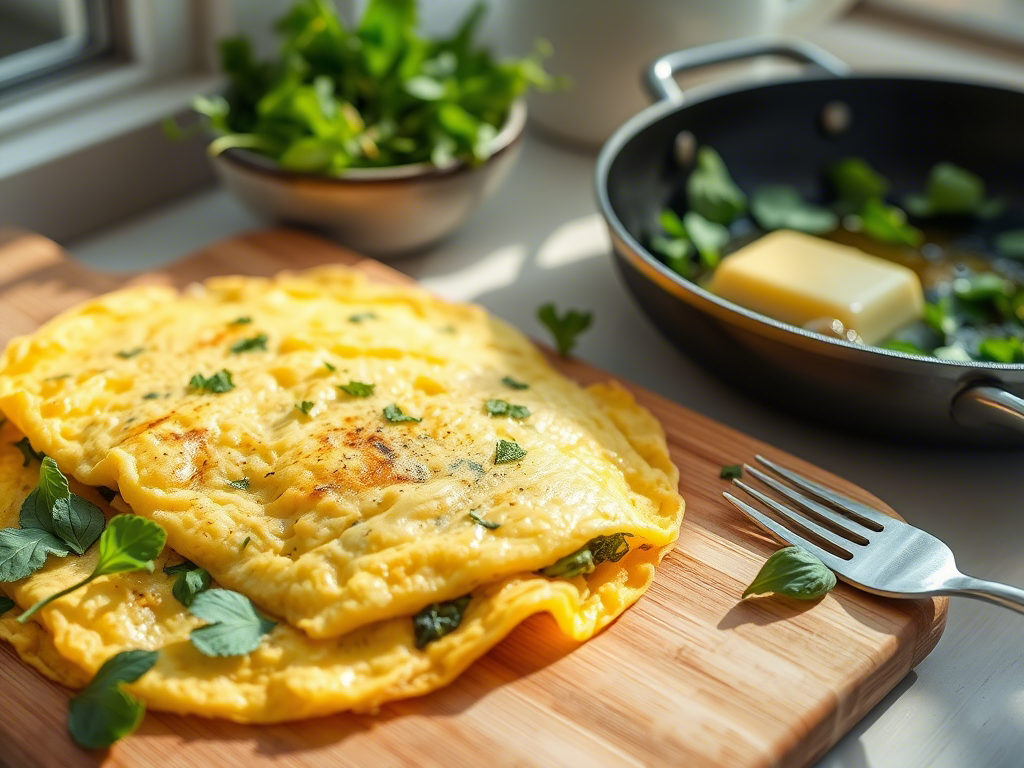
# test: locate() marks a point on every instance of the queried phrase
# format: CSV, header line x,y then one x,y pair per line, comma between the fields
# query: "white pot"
x,y
606,45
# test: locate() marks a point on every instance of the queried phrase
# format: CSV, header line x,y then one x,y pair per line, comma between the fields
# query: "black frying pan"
x,y
787,132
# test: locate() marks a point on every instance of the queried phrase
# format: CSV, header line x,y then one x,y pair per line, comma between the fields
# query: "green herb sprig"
x,y
218,383
564,328
792,572
395,415
438,619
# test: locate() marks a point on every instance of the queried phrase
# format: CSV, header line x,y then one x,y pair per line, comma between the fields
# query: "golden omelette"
x,y
290,676
278,412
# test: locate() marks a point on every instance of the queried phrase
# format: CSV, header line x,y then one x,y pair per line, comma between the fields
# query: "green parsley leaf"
x,y
189,584
127,354
241,321
888,224
103,712
671,224
394,414
6,604
792,572
855,182
236,627
708,237
305,407
730,471
217,383
151,396
504,408
257,342
1002,350
438,619
508,381
357,389
241,484
564,328
489,525
23,551
360,317
129,543
780,206
711,191
676,252
1010,243
330,367
30,455
508,451
952,191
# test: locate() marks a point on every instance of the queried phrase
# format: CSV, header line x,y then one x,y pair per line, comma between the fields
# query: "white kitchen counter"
x,y
539,239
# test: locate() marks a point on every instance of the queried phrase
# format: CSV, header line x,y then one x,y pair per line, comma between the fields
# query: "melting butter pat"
x,y
800,279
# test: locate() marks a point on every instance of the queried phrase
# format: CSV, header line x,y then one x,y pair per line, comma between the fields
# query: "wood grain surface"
x,y
690,676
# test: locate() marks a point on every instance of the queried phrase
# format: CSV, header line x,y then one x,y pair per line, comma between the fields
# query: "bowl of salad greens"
x,y
373,133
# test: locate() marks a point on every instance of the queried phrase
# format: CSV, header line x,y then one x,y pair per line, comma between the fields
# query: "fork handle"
x,y
992,591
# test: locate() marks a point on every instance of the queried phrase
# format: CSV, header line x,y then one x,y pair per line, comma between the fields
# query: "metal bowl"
x,y
383,212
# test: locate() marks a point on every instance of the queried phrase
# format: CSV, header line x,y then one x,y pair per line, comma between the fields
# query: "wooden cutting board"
x,y
690,676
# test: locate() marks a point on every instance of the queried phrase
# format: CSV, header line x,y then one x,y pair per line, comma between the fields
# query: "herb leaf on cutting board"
x,y
792,572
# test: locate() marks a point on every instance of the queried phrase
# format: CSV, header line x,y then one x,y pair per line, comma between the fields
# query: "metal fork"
x,y
879,554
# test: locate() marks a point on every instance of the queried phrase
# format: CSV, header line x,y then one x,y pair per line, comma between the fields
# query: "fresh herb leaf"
x,y
330,367
103,712
23,551
888,224
107,494
676,251
564,328
183,567
357,389
781,207
245,543
394,414
730,471
438,619
952,191
241,484
508,381
129,543
489,525
985,286
257,342
127,354
855,182
504,408
360,317
305,407
52,483
939,316
710,190
235,626
1010,243
151,396
508,451
792,572
600,549
189,584
708,238
30,455
6,604
1002,350
671,224
241,321
78,522
217,383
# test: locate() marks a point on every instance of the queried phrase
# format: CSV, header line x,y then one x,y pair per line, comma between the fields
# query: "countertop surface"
x,y
539,239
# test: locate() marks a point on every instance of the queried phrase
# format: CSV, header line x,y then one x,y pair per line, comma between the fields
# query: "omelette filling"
x,y
362,490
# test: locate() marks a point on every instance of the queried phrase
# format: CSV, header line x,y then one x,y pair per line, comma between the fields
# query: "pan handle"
x,y
661,81
988,405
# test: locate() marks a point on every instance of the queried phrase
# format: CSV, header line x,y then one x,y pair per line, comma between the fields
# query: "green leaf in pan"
x,y
781,207
1002,350
1010,243
855,182
888,224
710,190
792,572
952,190
708,237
